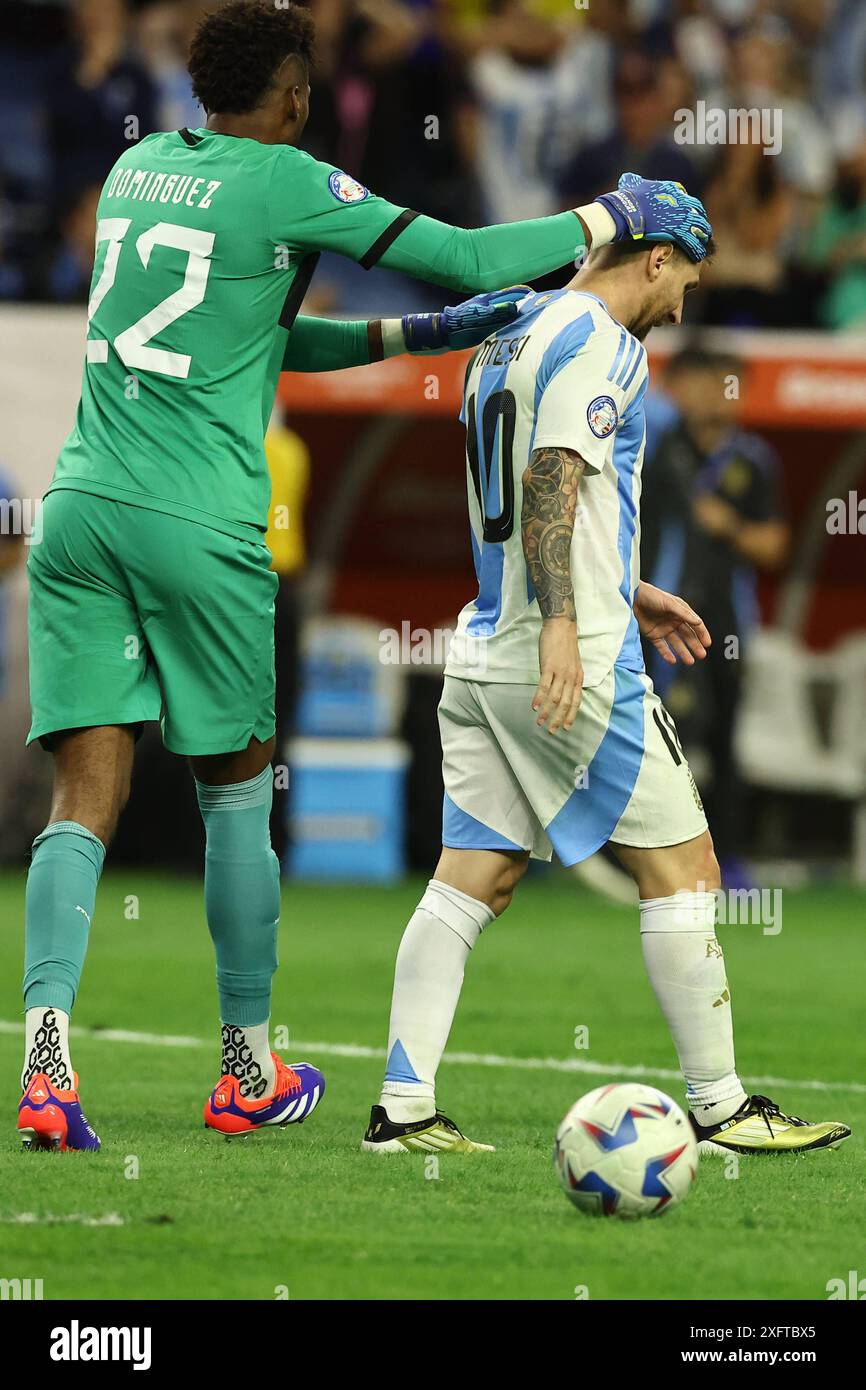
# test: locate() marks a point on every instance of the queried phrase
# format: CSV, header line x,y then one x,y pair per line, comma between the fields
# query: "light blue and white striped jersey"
x,y
564,374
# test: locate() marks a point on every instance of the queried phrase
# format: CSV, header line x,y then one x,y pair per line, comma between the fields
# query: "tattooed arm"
x,y
547,523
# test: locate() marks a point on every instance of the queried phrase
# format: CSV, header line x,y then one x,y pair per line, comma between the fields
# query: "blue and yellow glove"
x,y
462,325
658,210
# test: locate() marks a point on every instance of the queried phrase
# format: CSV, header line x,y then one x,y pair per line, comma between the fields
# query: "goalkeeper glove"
x,y
658,210
462,325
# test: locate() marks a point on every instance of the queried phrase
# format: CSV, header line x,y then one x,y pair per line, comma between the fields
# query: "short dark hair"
x,y
621,250
237,50
696,356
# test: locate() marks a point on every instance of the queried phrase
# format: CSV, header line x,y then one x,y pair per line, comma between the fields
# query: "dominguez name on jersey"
x,y
154,185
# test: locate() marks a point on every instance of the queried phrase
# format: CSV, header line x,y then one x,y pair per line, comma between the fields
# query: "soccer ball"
x,y
625,1151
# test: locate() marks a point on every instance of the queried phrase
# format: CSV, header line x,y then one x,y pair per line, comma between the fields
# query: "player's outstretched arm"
x,y
328,345
657,210
550,485
480,258
315,207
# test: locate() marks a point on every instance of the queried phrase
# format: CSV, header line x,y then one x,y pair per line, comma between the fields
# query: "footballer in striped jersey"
x,y
553,738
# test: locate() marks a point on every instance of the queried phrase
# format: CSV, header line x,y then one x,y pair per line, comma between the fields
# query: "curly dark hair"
x,y
237,50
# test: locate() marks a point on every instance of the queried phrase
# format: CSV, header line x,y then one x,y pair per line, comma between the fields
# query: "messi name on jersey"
x,y
497,352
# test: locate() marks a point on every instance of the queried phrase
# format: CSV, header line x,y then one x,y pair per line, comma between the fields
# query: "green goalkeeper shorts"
x,y
136,614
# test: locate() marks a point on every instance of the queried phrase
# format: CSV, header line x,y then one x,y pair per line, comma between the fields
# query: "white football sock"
x,y
46,1046
246,1055
686,968
427,981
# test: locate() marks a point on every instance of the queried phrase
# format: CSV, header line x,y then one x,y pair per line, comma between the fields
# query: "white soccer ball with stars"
x,y
627,1151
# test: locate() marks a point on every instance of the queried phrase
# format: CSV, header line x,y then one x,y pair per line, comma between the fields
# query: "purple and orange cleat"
x,y
49,1118
297,1092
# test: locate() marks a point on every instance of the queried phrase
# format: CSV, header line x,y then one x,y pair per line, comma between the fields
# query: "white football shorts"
x,y
618,774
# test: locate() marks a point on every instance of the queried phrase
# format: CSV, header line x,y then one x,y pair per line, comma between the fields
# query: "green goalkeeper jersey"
x,y
205,244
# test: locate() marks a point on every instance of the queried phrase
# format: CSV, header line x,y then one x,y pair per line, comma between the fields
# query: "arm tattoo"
x,y
547,522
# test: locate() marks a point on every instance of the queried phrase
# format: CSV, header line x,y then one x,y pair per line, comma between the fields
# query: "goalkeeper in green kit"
x,y
151,595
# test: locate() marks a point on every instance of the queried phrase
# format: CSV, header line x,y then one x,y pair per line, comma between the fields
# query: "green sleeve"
x,y
485,258
316,207
326,345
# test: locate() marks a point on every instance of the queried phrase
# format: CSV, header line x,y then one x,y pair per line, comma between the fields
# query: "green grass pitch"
x,y
302,1213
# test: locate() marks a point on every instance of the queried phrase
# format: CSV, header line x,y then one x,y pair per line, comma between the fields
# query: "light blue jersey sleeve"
x,y
589,390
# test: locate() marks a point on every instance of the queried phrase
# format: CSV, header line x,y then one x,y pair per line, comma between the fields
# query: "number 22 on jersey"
x,y
131,345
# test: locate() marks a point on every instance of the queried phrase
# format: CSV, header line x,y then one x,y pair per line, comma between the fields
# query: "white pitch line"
x,y
578,1065
32,1218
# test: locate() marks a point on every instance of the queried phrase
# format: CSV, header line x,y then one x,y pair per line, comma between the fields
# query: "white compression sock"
x,y
246,1055
46,1047
686,968
427,980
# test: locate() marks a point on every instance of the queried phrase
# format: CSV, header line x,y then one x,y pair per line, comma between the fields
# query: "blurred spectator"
x,y
661,414
751,208
72,264
840,64
384,99
838,244
476,111
162,34
771,74
646,94
13,278
11,555
832,36
289,466
388,105
98,98
702,47
539,86
711,518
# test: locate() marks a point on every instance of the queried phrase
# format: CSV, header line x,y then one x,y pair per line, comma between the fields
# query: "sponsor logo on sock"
x,y
83,913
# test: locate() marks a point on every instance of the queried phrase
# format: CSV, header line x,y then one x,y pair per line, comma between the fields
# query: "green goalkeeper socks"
x,y
242,895
242,900
61,893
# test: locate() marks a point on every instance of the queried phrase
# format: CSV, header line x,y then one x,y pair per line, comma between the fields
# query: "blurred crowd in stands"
x,y
480,111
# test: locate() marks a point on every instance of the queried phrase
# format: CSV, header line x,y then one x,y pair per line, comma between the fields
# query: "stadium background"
x,y
475,112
